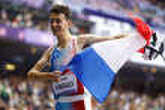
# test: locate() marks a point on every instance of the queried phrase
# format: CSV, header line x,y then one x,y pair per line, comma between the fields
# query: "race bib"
x,y
66,85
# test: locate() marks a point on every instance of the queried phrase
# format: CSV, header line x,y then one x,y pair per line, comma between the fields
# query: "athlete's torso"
x,y
69,91
68,85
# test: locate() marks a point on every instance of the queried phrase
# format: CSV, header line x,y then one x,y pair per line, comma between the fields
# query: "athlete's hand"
x,y
57,75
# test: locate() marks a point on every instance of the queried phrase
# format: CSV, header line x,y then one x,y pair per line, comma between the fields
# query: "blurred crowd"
x,y
22,18
21,94
144,8
17,16
131,100
18,93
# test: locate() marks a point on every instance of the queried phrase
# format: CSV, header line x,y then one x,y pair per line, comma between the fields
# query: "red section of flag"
x,y
143,29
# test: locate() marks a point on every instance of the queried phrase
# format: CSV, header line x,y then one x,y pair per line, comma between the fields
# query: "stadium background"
x,y
24,35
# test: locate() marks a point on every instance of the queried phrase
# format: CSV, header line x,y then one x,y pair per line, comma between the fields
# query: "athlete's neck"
x,y
64,39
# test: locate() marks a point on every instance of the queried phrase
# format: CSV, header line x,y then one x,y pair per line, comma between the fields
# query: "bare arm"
x,y
89,38
35,71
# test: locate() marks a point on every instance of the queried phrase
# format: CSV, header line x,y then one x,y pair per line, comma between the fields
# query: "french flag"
x,y
97,65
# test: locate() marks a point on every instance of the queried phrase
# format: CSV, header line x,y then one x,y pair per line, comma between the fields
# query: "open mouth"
x,y
57,29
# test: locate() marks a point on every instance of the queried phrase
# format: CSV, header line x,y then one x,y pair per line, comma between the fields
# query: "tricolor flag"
x,y
97,65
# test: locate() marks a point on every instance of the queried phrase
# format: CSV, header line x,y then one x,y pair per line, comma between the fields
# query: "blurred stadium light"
x,y
10,67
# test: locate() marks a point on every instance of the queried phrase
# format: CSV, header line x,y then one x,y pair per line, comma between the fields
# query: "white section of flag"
x,y
116,52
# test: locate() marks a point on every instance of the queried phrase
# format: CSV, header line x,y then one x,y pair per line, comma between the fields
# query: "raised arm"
x,y
89,38
35,71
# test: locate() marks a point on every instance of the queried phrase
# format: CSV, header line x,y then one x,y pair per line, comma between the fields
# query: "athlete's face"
x,y
59,23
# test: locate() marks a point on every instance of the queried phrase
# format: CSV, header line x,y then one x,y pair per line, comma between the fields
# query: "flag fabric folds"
x,y
97,65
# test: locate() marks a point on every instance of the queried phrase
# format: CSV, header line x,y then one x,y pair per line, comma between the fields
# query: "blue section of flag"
x,y
93,72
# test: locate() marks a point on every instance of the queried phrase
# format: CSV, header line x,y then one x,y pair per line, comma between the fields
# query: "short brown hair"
x,y
61,9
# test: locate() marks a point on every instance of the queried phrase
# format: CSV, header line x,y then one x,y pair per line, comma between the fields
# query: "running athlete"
x,y
68,91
